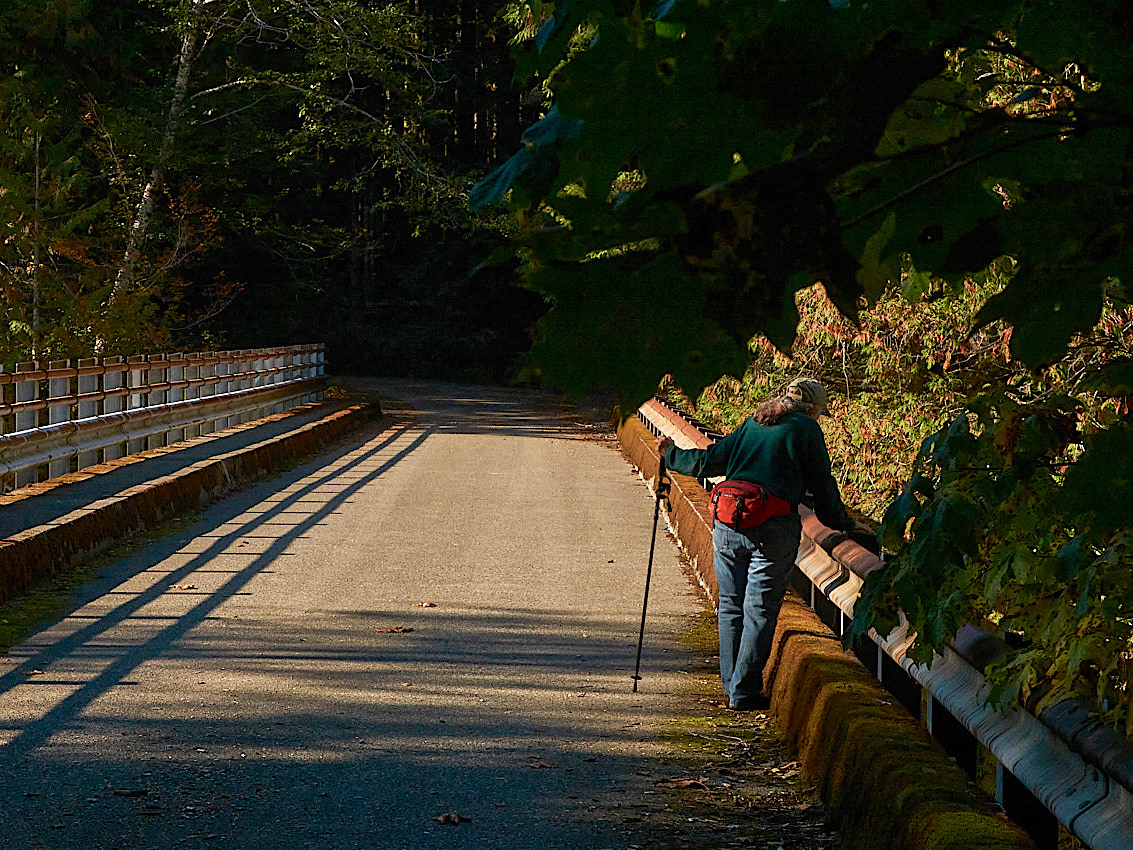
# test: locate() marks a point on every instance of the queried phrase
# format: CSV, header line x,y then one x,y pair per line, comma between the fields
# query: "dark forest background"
x,y
208,174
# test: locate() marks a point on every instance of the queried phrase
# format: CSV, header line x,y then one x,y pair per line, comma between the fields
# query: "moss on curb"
x,y
22,616
885,782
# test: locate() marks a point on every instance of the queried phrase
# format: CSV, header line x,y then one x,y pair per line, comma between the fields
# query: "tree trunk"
x,y
37,258
131,260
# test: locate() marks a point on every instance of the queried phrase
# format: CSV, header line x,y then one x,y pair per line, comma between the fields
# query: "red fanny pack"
x,y
741,504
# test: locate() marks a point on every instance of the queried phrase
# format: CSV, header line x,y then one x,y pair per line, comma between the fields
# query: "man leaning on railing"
x,y
769,462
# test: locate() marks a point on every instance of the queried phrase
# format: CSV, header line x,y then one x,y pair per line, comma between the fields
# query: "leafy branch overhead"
x,y
702,161
762,146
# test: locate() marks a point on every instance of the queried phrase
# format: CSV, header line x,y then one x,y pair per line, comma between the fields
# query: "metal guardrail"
x,y
63,416
1058,775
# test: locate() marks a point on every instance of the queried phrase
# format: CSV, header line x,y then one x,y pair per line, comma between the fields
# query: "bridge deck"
x,y
277,675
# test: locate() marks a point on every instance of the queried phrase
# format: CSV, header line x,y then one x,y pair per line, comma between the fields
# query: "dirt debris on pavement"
x,y
732,782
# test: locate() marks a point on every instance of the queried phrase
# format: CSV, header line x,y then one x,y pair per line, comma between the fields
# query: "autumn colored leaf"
x,y
701,783
395,630
452,818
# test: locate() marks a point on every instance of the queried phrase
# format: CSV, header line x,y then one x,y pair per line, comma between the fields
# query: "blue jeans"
x,y
752,570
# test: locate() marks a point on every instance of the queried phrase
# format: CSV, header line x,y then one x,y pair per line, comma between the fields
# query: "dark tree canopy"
x,y
705,160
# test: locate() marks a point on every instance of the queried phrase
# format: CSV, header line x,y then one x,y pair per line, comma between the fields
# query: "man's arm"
x,y
819,480
699,463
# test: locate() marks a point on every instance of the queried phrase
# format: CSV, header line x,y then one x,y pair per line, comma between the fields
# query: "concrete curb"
x,y
885,782
29,557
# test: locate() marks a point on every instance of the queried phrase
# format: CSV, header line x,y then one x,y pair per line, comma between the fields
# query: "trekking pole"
x,y
662,489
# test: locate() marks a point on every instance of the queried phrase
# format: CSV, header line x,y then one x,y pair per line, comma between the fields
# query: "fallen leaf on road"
x,y
396,630
452,818
700,783
424,604
183,586
715,703
35,673
543,765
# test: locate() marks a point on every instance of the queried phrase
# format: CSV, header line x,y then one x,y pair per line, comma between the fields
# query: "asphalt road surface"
x,y
435,620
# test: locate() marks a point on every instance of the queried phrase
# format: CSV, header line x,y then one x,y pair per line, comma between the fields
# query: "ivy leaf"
x,y
1100,482
1073,556
875,273
654,315
935,113
552,127
1082,32
554,23
758,239
493,188
1114,378
532,163
902,509
1046,307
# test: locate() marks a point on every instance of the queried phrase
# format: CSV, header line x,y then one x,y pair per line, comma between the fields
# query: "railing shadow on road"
x,y
317,739
37,731
512,728
519,638
360,762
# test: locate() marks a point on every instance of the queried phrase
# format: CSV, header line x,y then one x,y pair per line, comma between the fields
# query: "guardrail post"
x,y
1025,809
136,381
904,687
26,390
175,375
88,407
60,398
953,735
137,374
114,401
192,375
223,385
157,379
208,385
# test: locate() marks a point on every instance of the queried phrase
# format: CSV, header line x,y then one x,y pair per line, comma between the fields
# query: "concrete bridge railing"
x,y
62,416
1059,774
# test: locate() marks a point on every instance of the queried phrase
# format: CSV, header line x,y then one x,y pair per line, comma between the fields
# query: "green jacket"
x,y
788,458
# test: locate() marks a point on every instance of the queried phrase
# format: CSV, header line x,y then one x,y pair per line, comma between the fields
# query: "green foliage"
x,y
997,517
1000,524
975,150
906,132
901,368
305,168
1013,515
55,207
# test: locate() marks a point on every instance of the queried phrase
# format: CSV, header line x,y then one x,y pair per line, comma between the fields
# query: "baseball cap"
x,y
810,391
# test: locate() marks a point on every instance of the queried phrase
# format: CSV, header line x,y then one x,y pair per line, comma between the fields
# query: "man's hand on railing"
x,y
865,535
